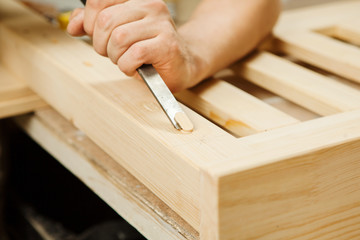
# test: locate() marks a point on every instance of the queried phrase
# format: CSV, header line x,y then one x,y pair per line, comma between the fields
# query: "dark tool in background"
x,y
164,96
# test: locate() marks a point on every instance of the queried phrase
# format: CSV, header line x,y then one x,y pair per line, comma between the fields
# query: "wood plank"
x,y
20,106
235,110
322,51
289,191
11,87
125,194
15,97
317,17
272,99
348,31
311,90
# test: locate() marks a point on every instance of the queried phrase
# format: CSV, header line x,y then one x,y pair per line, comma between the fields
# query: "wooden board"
x,y
15,97
297,181
120,190
219,101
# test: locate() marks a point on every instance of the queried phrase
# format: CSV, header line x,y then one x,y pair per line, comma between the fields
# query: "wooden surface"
x,y
117,187
219,101
292,179
305,87
312,193
15,97
118,113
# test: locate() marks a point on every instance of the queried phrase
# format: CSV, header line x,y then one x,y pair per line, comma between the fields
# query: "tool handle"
x,y
83,1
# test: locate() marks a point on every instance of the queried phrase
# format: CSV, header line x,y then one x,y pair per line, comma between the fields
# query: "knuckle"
x,y
119,35
104,19
157,5
125,68
94,4
138,52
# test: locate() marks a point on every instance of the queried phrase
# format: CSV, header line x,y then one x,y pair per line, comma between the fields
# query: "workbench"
x,y
119,189
321,114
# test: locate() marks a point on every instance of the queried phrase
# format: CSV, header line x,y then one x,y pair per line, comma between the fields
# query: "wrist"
x,y
198,63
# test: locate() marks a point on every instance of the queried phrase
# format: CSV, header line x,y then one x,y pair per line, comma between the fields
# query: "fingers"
x,y
109,20
92,10
123,37
76,21
150,51
133,33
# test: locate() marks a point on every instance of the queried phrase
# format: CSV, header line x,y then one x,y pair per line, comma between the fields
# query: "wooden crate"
x,y
276,149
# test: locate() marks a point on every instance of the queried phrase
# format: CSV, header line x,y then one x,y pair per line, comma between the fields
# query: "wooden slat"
x,y
322,51
298,84
21,105
317,17
15,97
234,109
280,103
348,31
10,87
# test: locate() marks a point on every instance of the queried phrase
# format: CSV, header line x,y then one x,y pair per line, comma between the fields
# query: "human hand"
x,y
137,32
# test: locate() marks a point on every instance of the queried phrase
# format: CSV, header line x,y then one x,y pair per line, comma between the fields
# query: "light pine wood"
x,y
119,189
117,112
234,109
317,17
324,52
301,183
308,194
311,90
15,97
184,122
268,97
295,182
348,31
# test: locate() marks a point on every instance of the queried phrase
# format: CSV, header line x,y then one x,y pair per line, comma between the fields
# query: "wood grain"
x,y
302,183
322,51
309,89
15,97
298,181
235,110
116,186
117,112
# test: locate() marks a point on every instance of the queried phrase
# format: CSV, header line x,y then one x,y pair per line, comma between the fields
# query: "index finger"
x,y
92,10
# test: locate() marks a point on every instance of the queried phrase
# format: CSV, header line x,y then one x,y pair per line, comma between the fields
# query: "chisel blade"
x,y
165,98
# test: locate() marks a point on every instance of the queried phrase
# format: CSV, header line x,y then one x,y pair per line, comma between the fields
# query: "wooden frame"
x,y
293,179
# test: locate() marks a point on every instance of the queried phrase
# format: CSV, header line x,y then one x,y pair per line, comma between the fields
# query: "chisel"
x,y
164,96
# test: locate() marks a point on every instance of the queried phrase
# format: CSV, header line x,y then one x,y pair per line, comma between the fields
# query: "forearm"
x,y
221,32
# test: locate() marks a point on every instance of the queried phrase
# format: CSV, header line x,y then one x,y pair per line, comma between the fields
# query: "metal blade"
x,y
165,98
